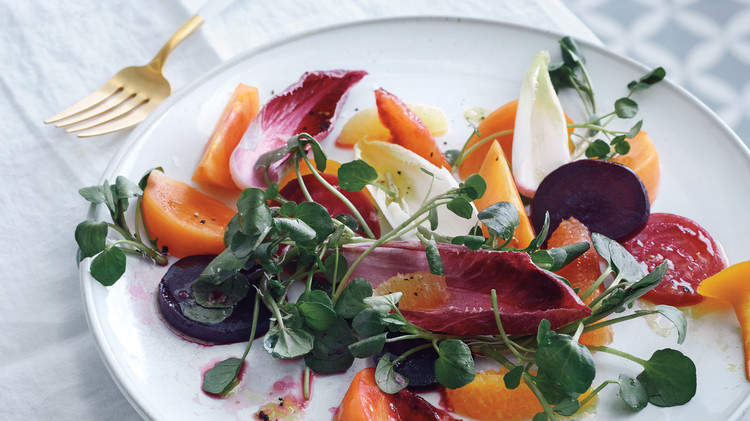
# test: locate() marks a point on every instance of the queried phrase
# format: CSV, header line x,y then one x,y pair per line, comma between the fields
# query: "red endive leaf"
x,y
311,105
526,294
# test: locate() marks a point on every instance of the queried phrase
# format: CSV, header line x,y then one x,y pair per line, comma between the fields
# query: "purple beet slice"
x,y
607,197
175,293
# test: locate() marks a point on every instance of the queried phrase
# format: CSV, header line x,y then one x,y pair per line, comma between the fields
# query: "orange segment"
x,y
487,398
182,218
365,124
582,272
644,160
501,188
242,107
407,129
421,290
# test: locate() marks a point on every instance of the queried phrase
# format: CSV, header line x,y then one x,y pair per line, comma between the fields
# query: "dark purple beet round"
x,y
607,197
418,367
175,292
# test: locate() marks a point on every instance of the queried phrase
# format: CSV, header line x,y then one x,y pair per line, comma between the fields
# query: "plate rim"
x,y
135,398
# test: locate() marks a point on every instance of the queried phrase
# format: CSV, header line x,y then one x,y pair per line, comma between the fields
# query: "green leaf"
x,y
222,268
222,377
455,364
598,149
538,241
318,316
318,154
633,132
669,378
432,216
125,189
336,267
541,416
368,347
677,317
626,108
108,266
224,295
91,237
567,406
452,155
387,378
355,175
473,242
632,392
623,263
433,258
296,229
383,303
566,362
109,198
461,207
622,148
475,186
254,215
512,378
210,316
557,258
93,194
351,299
368,322
648,79
501,219
287,342
330,353
143,182
317,217
572,55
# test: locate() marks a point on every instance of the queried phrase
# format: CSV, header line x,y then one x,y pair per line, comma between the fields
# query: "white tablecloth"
x,y
52,54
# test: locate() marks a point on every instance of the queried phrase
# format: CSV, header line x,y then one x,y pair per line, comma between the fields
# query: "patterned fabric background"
x,y
703,44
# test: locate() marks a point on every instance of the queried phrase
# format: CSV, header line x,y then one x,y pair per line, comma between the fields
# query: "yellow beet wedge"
x,y
731,285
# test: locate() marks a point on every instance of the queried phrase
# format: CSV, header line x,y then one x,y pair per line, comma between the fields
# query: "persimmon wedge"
x,y
644,160
364,401
181,218
407,129
240,110
501,188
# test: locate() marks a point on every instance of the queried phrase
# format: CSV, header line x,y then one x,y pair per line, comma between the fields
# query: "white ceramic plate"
x,y
455,64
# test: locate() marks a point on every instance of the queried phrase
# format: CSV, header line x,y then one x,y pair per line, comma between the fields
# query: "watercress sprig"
x,y
109,262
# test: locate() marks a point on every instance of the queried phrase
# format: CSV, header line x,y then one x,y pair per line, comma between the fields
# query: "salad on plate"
x,y
496,273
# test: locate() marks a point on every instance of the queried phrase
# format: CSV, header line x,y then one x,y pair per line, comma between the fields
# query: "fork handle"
x,y
183,32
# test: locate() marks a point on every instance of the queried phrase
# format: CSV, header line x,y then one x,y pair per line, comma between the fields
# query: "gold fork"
x,y
131,94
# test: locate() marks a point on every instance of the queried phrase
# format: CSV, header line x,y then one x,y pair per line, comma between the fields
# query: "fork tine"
x,y
117,111
119,97
95,98
134,117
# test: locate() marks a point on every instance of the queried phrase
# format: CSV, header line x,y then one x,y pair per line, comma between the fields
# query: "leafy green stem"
x,y
619,353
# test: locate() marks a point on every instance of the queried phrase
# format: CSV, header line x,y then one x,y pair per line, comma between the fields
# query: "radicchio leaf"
x,y
526,293
311,106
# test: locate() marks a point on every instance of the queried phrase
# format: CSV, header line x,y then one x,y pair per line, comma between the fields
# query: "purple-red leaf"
x,y
526,294
311,105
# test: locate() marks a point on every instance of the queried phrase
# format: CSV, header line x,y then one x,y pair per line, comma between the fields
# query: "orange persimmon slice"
x,y
501,188
407,129
182,219
240,110
644,160
364,401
